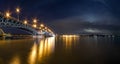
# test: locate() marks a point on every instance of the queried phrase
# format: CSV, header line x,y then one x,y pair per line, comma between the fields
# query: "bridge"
x,y
33,29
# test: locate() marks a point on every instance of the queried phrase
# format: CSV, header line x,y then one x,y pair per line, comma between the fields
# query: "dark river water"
x,y
67,49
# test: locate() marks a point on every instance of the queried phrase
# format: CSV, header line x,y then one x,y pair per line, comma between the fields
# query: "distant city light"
x,y
70,35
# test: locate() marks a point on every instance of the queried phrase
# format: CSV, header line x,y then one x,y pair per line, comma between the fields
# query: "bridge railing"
x,y
9,17
28,25
12,18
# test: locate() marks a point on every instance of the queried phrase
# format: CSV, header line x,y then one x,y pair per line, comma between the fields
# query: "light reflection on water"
x,y
15,60
70,40
29,50
65,49
33,54
41,50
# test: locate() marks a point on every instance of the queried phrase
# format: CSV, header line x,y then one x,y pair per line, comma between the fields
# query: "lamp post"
x,y
25,22
34,23
18,12
41,25
7,14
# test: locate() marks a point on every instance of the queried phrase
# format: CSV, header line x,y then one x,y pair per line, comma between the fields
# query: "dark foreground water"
x,y
61,50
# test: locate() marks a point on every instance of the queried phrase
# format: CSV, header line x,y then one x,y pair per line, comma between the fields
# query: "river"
x,y
67,49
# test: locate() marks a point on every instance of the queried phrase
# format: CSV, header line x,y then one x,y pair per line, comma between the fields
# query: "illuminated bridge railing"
x,y
13,22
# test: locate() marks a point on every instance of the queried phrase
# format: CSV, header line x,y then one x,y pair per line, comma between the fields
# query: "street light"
x,y
34,25
42,25
46,28
25,22
18,12
34,20
7,14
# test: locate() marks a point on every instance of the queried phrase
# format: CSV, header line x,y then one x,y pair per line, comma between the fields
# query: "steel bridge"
x,y
14,23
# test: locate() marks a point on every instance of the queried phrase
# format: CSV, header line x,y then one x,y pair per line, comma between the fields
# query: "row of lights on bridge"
x,y
8,14
42,26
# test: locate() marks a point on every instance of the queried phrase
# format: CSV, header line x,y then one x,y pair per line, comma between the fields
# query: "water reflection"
x,y
15,60
12,51
65,49
70,40
42,50
46,47
33,54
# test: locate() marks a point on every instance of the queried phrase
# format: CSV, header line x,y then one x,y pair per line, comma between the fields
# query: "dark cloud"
x,y
77,25
71,16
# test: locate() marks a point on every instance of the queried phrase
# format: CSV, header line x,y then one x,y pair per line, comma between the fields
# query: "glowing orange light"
x,y
42,25
25,22
7,14
18,10
40,28
45,27
35,20
34,25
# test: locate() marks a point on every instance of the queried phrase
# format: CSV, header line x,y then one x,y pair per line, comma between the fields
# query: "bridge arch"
x,y
14,23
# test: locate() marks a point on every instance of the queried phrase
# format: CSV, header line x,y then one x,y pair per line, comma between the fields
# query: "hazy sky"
x,y
70,16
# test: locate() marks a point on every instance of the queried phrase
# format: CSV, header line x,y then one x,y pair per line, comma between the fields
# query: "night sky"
x,y
70,16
